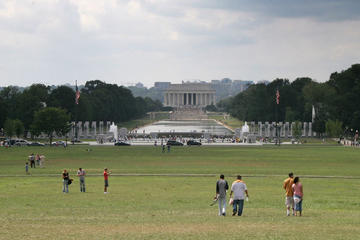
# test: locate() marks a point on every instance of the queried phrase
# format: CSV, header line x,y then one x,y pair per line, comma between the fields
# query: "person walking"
x,y
65,177
81,174
239,189
289,194
37,159
106,180
221,188
32,160
27,168
298,195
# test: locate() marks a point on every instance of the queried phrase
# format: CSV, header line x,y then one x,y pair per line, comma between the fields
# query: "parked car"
x,y
36,144
174,143
192,142
20,142
58,143
121,144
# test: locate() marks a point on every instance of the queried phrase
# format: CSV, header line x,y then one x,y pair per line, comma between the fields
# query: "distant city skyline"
x,y
126,42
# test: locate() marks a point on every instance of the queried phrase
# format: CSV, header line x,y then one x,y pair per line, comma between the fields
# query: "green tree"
x,y
319,124
211,108
63,97
18,127
30,101
290,115
9,128
346,101
9,103
50,120
333,128
297,130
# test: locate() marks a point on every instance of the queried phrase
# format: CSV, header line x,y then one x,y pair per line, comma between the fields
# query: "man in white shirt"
x,y
81,174
239,189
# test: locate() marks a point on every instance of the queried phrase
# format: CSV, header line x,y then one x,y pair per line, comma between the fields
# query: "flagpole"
x,y
76,114
276,117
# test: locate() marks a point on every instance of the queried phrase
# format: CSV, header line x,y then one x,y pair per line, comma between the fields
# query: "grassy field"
x,y
230,121
177,207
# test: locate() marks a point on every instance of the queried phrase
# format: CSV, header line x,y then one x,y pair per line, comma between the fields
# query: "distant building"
x,y
139,85
194,95
162,85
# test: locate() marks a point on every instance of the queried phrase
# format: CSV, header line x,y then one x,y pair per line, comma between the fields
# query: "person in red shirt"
x,y
106,179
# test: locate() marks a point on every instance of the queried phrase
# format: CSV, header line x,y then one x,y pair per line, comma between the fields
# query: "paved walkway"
x,y
177,175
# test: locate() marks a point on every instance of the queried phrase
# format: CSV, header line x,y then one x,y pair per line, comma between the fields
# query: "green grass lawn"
x,y
175,207
230,121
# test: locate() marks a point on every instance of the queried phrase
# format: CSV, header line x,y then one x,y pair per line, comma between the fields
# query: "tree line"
x,y
98,101
336,101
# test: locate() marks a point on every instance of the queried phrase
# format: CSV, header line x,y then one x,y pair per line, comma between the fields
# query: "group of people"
x,y
81,174
34,160
294,195
239,193
238,188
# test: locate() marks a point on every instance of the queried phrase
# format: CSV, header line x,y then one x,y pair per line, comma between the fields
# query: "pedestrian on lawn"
x,y
32,160
289,194
298,195
65,177
106,180
81,174
239,189
221,189
37,159
27,168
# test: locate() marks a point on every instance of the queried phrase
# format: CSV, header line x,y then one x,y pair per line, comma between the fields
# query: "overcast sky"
x,y
124,42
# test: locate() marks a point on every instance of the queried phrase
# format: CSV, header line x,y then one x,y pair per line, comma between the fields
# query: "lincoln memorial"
x,y
189,95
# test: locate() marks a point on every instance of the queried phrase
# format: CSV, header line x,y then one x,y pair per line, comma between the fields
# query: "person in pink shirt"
x,y
298,195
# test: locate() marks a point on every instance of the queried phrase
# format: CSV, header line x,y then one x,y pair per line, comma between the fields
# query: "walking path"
x,y
178,175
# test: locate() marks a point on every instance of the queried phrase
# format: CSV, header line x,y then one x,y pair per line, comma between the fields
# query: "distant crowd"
x,y
34,160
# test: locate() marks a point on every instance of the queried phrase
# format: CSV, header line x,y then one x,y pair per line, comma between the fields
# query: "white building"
x,y
189,95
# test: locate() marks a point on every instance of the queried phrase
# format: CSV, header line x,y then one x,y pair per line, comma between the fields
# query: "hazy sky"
x,y
123,42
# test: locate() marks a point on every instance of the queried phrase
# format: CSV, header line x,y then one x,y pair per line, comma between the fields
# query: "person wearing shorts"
x,y
289,194
106,180
298,195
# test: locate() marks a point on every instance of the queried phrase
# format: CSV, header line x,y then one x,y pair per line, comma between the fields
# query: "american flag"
x,y
277,96
77,94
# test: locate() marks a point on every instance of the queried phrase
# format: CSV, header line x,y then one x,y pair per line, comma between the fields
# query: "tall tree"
x,y
63,97
9,128
50,120
30,101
